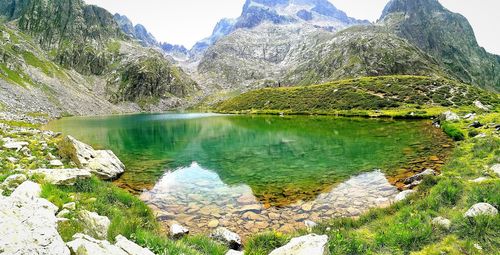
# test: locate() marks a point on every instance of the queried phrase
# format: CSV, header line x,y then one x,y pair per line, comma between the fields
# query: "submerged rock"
x,y
95,225
62,176
419,176
305,245
103,163
230,239
481,209
28,224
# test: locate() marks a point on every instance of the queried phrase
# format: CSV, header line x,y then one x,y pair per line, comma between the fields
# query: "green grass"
x,y
263,244
359,95
453,131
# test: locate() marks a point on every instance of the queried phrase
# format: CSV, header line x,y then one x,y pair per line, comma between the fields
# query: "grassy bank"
x,y
406,227
391,96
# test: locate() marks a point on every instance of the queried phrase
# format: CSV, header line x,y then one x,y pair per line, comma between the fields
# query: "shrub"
x,y
452,131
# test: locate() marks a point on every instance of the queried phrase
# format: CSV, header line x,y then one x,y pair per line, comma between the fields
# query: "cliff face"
x,y
446,36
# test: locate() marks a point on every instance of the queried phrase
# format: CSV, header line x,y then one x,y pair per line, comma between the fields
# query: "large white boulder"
x,y
62,176
305,245
230,239
28,224
95,225
130,247
481,209
103,163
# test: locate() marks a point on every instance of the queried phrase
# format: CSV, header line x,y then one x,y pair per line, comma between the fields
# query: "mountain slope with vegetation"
x,y
368,93
86,46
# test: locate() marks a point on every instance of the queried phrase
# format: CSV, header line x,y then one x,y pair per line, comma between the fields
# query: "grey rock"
x,y
130,247
230,239
419,176
63,213
56,163
62,176
13,181
305,245
442,222
481,106
496,169
481,209
95,225
403,195
450,116
84,244
234,252
70,206
178,231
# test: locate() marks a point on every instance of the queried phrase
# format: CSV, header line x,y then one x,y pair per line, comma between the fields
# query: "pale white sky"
x,y
187,21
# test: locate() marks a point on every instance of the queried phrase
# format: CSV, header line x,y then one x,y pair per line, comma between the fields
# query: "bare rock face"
x,y
28,224
95,224
481,209
63,176
305,245
103,163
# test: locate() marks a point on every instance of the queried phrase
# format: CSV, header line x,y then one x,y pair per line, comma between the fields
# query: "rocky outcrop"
x,y
103,163
225,236
95,225
62,176
83,244
481,209
28,224
305,245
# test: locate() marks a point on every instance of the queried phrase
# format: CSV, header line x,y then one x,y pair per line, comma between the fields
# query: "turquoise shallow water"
x,y
281,159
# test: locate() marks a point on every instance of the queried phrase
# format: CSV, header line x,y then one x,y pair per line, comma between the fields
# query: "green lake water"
x,y
277,160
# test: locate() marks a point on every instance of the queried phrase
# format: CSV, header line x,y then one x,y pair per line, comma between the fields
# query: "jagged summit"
x,y
411,7
138,32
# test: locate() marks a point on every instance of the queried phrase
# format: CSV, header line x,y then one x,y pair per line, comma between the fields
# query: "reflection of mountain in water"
x,y
282,159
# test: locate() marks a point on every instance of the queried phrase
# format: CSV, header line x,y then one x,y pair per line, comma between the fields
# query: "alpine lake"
x,y
255,173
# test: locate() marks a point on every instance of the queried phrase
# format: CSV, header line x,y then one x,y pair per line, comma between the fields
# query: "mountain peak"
x,y
411,6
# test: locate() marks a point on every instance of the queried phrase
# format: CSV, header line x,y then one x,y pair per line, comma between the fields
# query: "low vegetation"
x,y
362,96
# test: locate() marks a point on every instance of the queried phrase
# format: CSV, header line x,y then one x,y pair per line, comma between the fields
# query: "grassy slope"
x,y
363,96
405,227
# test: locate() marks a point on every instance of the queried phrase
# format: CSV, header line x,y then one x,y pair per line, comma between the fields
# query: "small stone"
x,y
233,252
70,206
230,239
12,160
450,116
63,213
403,195
213,223
420,176
442,222
479,180
496,169
177,231
56,163
476,124
307,207
13,145
481,209
310,224
304,245
253,208
481,106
